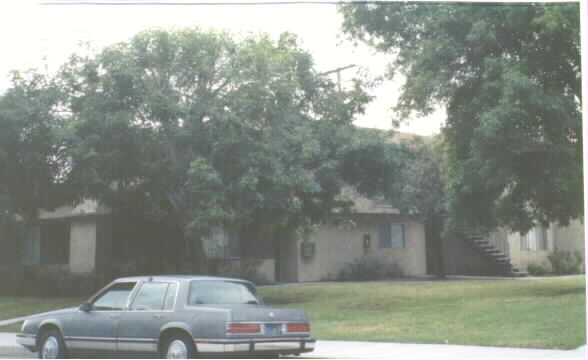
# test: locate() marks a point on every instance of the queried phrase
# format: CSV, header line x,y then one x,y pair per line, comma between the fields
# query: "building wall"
x,y
462,258
570,238
565,238
82,253
339,245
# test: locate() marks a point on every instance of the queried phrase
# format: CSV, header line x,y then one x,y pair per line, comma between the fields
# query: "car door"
x,y
96,329
151,307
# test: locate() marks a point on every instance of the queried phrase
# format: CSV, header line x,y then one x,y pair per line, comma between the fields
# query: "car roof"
x,y
177,277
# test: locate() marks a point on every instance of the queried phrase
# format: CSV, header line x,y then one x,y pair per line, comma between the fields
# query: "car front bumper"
x,y
29,341
248,346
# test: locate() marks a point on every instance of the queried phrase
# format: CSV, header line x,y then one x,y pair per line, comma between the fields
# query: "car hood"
x,y
54,312
250,312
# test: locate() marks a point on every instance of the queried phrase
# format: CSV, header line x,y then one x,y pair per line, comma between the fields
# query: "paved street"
x,y
372,350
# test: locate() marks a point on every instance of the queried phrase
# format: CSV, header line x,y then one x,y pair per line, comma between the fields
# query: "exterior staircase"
x,y
496,250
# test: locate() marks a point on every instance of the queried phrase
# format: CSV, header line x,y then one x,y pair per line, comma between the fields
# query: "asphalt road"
x,y
379,350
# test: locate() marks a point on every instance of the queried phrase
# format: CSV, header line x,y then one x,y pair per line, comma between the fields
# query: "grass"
x,y
546,313
17,306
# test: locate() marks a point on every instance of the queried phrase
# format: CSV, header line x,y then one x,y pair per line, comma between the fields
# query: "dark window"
x,y
115,297
222,244
542,235
392,236
55,242
150,296
220,292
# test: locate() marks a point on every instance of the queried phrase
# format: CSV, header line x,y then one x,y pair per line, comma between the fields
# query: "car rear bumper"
x,y
29,341
248,346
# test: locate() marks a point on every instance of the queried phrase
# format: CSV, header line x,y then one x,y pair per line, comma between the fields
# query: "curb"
x,y
12,350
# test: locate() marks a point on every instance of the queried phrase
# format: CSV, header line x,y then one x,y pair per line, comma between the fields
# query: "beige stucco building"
x,y
537,244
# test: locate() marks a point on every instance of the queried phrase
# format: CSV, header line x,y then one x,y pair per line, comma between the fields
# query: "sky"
x,y
43,36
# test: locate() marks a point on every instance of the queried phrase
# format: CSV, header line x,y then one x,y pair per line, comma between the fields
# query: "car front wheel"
x,y
52,345
179,347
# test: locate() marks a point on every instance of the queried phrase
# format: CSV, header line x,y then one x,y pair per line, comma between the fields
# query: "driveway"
x,y
379,350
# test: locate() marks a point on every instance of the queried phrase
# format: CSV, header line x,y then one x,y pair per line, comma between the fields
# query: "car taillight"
x,y
298,328
236,328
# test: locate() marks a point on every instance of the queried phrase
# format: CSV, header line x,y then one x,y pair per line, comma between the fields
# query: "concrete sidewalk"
x,y
380,350
383,350
9,346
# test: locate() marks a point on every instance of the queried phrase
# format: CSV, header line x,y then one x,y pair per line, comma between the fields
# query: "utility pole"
x,y
338,71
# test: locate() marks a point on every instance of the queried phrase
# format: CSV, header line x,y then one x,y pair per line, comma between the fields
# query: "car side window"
x,y
150,296
170,297
114,298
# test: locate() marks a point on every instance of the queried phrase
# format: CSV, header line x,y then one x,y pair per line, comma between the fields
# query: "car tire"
x,y
51,345
178,346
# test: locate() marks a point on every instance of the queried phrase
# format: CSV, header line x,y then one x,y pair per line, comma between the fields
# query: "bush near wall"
x,y
566,262
11,279
59,282
247,269
369,268
537,270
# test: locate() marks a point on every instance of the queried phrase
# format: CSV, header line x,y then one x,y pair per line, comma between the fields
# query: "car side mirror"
x,y
85,307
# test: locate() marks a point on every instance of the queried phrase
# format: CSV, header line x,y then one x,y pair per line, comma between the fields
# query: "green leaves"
x,y
33,162
200,130
509,78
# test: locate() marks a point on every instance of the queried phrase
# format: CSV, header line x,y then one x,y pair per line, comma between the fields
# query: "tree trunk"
x,y
433,234
194,259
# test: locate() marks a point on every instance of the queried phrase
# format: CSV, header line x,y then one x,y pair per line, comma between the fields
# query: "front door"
x,y
96,330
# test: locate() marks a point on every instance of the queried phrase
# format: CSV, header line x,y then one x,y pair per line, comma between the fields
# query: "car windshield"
x,y
221,292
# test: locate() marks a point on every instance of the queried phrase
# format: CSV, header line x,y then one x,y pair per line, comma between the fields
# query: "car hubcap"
x,y
177,350
50,348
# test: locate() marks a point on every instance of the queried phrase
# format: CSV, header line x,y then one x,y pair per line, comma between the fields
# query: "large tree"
x,y
32,152
508,76
197,130
419,190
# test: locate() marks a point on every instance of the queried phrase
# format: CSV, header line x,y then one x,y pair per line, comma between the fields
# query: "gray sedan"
x,y
174,317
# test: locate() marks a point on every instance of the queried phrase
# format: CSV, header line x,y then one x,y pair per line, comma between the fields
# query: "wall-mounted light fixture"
x,y
367,241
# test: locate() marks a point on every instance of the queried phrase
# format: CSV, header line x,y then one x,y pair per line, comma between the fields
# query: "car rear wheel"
x,y
52,345
179,347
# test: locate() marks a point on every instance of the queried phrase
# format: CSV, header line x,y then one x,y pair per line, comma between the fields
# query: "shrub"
x,y
247,269
47,281
537,270
565,262
369,268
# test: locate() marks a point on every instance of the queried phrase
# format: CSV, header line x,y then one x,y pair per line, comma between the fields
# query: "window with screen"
x,y
535,239
392,236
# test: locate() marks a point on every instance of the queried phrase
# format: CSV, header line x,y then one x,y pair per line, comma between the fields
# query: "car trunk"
x,y
263,313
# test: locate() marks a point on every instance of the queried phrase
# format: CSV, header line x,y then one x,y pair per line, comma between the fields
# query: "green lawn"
x,y
17,306
547,313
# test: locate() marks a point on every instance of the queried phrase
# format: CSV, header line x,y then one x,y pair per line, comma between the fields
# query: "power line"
x,y
171,3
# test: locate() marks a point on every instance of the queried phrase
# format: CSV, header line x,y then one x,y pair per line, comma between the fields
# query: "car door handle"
x,y
115,316
158,316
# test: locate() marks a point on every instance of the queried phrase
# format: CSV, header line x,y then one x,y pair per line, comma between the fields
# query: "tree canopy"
x,y
32,153
508,76
199,130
